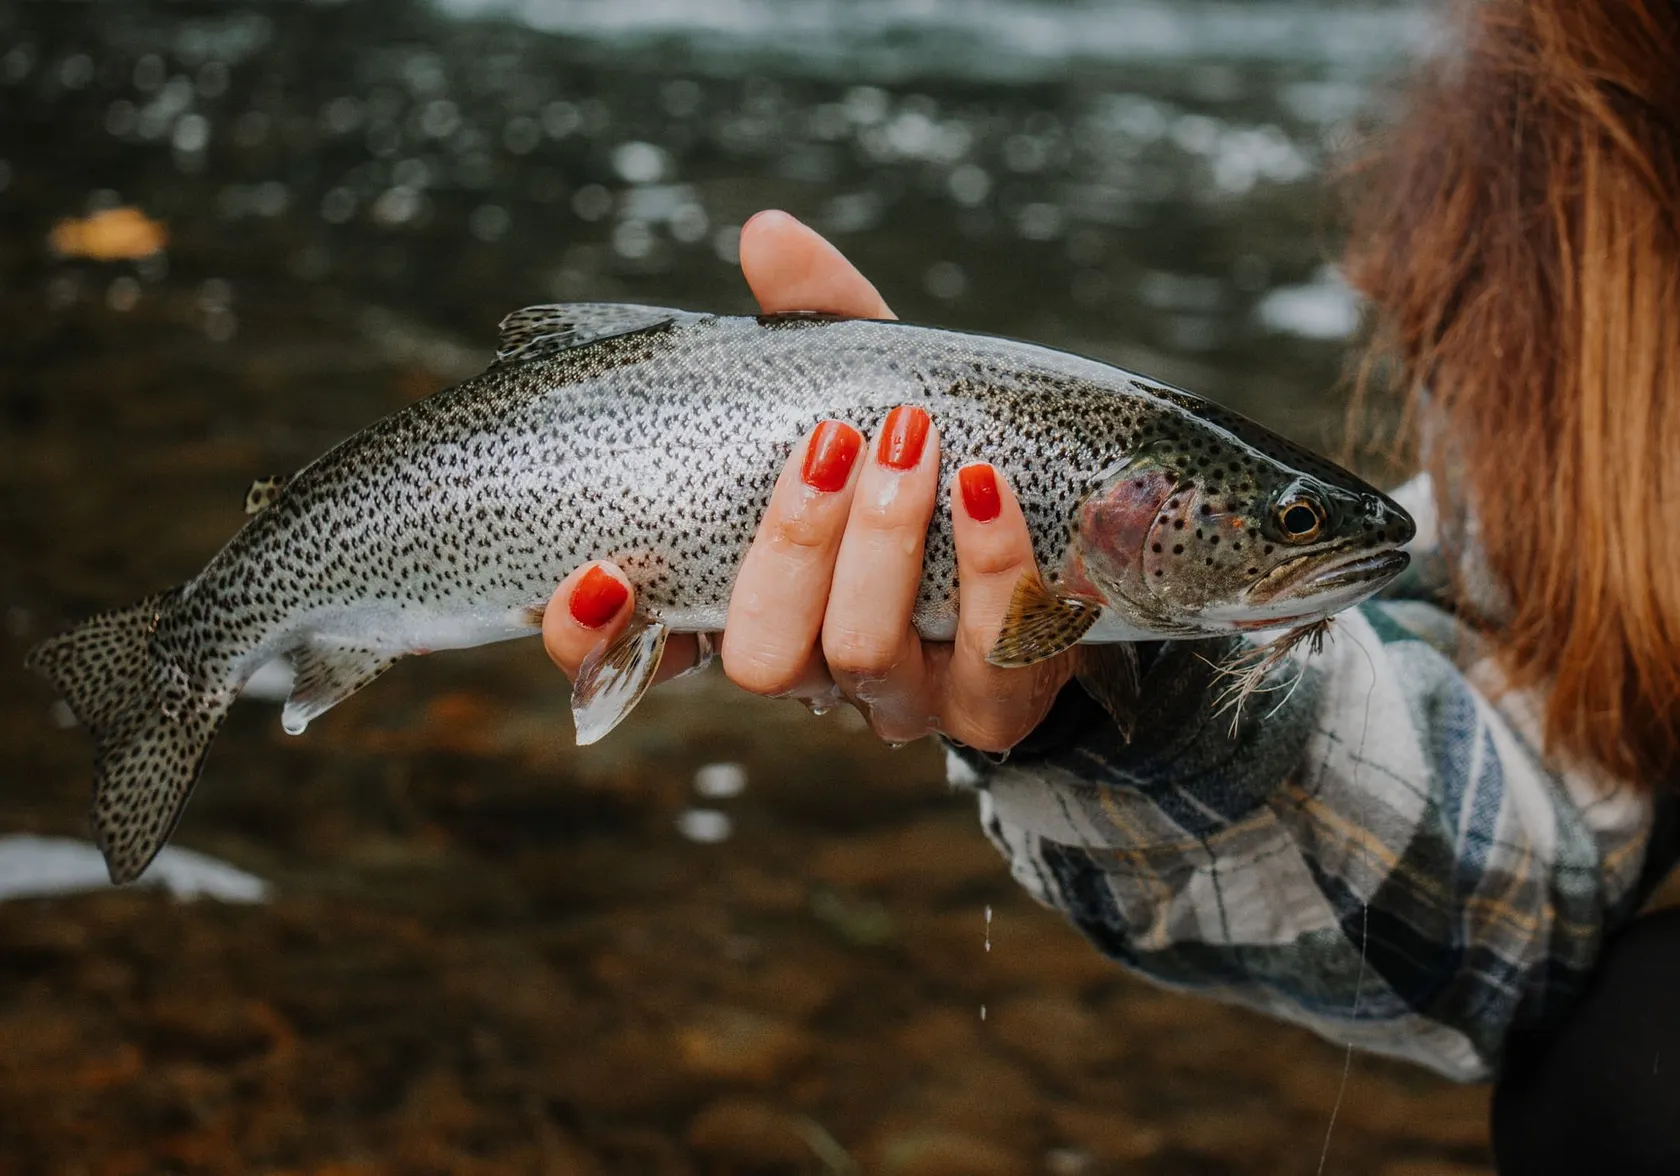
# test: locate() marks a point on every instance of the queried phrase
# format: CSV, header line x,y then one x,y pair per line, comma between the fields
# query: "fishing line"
x,y
1364,927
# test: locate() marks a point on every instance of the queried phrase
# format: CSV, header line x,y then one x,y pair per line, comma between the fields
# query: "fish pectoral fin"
x,y
1109,674
1040,623
264,491
539,331
614,677
327,672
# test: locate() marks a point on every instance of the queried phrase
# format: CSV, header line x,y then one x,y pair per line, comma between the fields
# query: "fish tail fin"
x,y
150,733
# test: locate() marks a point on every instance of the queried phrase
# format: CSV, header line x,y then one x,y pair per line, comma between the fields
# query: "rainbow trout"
x,y
653,438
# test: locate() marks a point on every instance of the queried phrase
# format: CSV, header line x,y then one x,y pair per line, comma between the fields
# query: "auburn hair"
x,y
1518,232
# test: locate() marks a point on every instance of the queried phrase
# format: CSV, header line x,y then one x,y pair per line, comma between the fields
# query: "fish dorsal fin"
x,y
264,491
539,331
328,672
1041,623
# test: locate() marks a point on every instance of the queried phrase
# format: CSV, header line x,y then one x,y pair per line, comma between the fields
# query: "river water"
x,y
732,937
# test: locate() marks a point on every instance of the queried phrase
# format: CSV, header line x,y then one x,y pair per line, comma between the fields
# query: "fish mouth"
x,y
1307,588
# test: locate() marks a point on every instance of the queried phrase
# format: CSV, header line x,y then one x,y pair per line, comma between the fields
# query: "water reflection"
x,y
738,937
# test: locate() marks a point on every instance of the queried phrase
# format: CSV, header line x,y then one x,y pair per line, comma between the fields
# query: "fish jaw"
x,y
1309,589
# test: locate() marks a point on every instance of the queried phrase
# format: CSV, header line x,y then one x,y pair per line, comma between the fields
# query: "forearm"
x,y
1375,853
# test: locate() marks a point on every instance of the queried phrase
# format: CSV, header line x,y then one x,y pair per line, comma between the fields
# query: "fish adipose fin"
x,y
540,331
264,491
328,672
150,735
1109,674
1040,623
614,677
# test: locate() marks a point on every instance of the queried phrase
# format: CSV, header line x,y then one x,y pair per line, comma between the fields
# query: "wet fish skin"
x,y
653,438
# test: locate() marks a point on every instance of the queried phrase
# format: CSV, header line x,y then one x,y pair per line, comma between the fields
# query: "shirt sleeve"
x,y
1373,847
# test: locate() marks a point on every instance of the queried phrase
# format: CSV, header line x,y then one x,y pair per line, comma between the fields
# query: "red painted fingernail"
x,y
980,492
830,455
902,438
597,598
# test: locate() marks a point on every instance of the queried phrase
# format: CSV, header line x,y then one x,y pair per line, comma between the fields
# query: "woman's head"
x,y
1519,231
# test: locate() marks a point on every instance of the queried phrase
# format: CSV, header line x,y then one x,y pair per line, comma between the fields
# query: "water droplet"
x,y
982,1012
988,926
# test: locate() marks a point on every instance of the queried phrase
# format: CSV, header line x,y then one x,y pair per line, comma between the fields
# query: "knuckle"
x,y
991,732
999,559
799,533
890,518
858,652
761,670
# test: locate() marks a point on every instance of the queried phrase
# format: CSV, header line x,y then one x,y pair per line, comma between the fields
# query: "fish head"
x,y
1227,534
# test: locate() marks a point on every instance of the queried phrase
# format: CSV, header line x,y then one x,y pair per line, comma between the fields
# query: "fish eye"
x,y
1299,519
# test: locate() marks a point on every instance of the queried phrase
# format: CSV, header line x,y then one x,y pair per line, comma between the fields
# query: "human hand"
x,y
822,602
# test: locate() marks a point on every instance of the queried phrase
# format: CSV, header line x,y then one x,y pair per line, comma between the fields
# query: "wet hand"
x,y
822,603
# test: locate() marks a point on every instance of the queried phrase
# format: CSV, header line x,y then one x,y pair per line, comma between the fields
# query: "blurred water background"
x,y
733,937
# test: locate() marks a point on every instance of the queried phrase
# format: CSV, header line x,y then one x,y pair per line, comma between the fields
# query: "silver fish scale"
x,y
658,449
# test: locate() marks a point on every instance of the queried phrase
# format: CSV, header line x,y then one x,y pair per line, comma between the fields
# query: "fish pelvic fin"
x,y
1040,623
614,677
264,491
537,332
326,672
150,731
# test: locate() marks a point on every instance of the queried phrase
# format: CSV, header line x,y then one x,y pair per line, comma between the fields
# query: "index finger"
x,y
791,266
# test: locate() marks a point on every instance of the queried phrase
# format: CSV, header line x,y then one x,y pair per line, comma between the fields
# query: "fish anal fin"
x,y
1040,623
328,672
264,491
1110,675
539,331
614,677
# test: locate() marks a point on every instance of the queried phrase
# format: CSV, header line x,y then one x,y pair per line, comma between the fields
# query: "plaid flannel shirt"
x,y
1376,850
